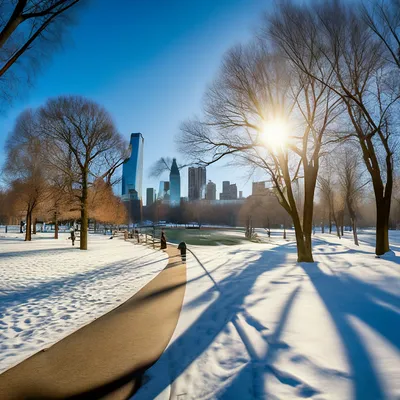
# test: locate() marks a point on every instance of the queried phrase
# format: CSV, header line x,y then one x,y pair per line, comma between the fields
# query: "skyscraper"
x,y
211,191
149,196
174,185
233,191
226,192
197,183
229,191
132,169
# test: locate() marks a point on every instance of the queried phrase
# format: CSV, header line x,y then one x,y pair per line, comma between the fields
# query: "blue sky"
x,y
148,62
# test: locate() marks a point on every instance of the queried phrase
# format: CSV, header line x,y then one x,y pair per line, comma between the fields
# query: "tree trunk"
x,y
353,219
330,222
28,231
335,220
304,248
354,226
310,179
382,226
56,225
84,214
34,225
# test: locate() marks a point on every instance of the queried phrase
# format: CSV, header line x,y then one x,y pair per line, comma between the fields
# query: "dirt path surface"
x,y
106,358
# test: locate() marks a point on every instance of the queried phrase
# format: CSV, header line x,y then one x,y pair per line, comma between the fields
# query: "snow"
x,y
255,324
49,289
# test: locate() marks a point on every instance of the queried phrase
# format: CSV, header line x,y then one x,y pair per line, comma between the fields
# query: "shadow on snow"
x,y
343,296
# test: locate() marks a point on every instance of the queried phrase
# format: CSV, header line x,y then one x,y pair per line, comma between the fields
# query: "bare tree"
x,y
83,144
245,109
326,186
383,18
105,207
29,29
23,168
350,54
352,182
59,200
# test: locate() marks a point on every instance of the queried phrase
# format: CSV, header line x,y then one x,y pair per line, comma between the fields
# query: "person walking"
x,y
182,248
73,236
163,240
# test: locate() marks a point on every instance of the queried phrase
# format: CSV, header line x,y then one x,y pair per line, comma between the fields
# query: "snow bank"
x,y
255,325
48,289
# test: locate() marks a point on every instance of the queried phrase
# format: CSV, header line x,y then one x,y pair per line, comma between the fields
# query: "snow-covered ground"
x,y
255,324
48,289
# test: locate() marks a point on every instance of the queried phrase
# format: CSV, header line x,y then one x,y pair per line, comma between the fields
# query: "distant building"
x,y
163,191
174,185
259,189
211,191
132,169
229,191
240,194
197,183
150,195
233,191
225,194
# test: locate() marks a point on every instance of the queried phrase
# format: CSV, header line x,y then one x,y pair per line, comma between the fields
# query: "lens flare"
x,y
275,134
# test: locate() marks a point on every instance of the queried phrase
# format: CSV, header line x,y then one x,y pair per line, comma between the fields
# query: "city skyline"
x,y
208,191
118,82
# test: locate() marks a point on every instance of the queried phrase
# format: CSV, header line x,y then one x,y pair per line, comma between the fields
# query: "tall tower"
x,y
149,196
174,185
132,169
197,183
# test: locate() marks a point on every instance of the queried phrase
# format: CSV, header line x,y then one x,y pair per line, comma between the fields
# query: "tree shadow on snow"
x,y
342,295
345,296
225,308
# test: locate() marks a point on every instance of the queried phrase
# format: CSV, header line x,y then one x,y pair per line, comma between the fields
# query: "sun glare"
x,y
275,134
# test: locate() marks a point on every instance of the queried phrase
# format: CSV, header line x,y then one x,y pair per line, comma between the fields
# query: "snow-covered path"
x,y
49,289
257,325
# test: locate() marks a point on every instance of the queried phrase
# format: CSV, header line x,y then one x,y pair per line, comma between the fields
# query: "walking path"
x,y
106,358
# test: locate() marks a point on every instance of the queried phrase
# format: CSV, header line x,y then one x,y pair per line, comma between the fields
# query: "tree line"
x,y
60,164
330,71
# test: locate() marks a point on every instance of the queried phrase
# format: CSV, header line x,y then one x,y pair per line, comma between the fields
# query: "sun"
x,y
275,134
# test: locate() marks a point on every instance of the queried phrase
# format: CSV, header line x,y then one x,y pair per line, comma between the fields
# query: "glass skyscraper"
x,y
174,185
132,169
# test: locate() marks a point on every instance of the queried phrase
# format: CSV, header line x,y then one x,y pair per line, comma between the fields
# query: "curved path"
x,y
106,358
